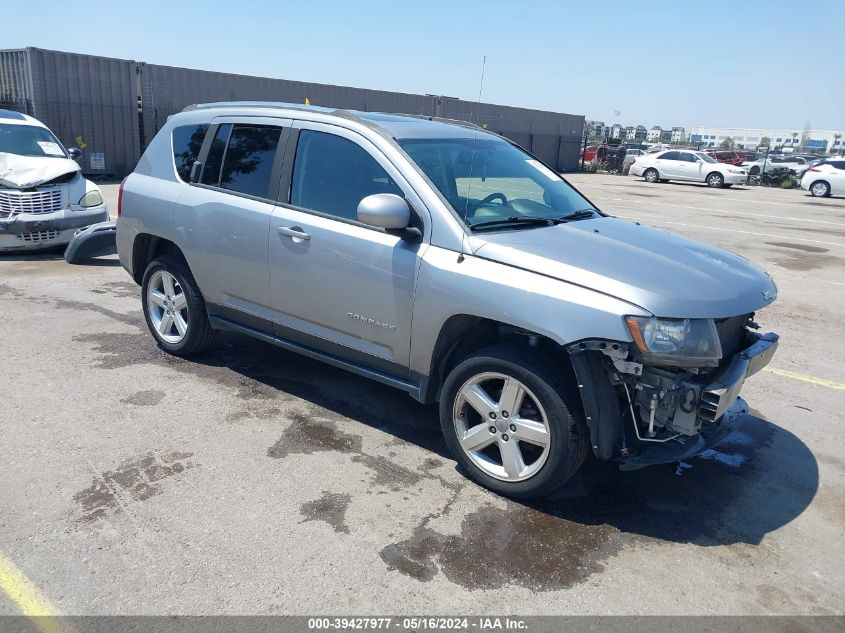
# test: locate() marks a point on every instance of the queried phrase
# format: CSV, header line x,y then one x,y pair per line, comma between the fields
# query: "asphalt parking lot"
x,y
251,480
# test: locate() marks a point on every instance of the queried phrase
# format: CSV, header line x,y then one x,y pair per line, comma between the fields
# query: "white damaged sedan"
x,y
687,165
44,199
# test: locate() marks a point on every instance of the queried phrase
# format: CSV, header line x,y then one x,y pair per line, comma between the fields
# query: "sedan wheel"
x,y
501,426
167,307
715,180
651,175
820,189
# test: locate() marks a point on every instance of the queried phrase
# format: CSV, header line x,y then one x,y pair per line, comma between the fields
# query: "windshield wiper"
x,y
514,220
576,215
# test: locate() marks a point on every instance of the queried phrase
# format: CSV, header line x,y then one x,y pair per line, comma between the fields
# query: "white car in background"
x,y
825,179
687,165
44,199
798,164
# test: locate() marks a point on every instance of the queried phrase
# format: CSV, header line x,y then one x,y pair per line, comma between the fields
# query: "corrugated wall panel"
x,y
15,81
89,102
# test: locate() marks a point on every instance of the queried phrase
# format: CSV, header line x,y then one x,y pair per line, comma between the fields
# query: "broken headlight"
x,y
676,342
91,199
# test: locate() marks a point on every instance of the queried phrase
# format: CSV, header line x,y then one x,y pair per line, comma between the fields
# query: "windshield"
x,y
706,158
29,140
489,180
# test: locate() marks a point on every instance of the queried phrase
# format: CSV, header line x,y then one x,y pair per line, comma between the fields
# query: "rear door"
x,y
224,218
336,284
667,164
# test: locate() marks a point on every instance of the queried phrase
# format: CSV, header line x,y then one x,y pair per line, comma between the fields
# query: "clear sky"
x,y
743,63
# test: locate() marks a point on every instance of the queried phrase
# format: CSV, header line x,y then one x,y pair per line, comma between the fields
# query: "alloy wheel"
x,y
167,307
501,426
819,189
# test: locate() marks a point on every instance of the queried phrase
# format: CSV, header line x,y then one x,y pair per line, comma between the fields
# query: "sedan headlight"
x,y
91,199
678,342
736,171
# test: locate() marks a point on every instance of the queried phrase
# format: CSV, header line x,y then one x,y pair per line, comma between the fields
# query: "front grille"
x,y
14,202
38,236
732,333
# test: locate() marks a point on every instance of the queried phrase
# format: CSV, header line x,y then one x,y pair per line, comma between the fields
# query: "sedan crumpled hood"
x,y
664,273
21,172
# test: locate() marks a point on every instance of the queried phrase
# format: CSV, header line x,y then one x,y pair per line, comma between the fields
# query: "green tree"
x,y
728,143
765,141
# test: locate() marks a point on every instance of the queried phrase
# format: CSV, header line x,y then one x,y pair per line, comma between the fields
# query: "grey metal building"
x,y
110,108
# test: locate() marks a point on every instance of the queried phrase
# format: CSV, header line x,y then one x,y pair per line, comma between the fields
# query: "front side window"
x,y
248,162
187,142
332,175
29,140
488,180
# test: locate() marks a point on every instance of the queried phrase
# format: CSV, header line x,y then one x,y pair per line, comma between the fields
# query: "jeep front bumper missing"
x,y
640,415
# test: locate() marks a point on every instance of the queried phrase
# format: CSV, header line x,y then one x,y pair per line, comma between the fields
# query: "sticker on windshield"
x,y
548,173
50,148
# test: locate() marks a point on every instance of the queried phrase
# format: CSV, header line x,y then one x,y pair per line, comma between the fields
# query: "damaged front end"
x,y
44,201
671,393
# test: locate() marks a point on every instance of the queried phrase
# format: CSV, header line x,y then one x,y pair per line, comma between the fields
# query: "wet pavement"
x,y
252,480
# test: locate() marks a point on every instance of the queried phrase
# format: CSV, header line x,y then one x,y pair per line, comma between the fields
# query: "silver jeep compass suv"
x,y
443,260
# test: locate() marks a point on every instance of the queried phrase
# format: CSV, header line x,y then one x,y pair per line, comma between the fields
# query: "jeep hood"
x,y
21,172
664,273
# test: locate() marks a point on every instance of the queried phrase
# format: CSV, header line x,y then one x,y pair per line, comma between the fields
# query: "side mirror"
x,y
384,210
75,153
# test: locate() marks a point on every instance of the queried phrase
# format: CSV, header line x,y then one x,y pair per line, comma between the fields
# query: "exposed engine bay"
x,y
659,404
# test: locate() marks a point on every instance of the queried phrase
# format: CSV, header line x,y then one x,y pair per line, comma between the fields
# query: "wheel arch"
x,y
147,247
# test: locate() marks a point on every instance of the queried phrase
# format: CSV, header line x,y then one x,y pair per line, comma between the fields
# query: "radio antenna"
x,y
472,156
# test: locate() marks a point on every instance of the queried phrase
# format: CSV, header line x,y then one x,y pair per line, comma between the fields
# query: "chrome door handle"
x,y
294,232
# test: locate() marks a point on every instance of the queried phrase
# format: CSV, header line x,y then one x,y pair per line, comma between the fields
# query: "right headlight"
x,y
679,342
91,199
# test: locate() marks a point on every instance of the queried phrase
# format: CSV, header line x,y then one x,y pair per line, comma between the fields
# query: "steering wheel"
x,y
495,196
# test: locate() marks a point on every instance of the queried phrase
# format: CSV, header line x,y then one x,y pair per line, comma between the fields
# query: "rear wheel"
x,y
174,308
651,175
820,189
715,180
506,420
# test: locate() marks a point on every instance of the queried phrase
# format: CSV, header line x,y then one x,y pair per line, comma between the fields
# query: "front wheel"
x,y
174,308
820,189
715,180
506,420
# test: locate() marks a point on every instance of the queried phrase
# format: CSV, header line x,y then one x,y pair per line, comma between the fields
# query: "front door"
x,y
338,285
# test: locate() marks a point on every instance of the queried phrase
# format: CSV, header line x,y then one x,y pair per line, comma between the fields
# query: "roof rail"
x,y
256,104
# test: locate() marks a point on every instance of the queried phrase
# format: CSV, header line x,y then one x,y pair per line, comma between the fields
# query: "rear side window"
x,y
211,171
670,156
187,141
332,175
839,164
248,162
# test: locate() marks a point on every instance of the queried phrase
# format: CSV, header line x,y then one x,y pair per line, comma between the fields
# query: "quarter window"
x,y
187,141
211,171
332,175
248,162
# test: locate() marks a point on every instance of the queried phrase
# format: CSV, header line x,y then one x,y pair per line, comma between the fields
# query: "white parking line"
x,y
714,228
755,215
691,191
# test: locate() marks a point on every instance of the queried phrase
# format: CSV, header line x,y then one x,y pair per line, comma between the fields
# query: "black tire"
x,y
568,435
755,170
664,180
199,335
822,187
651,175
715,179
